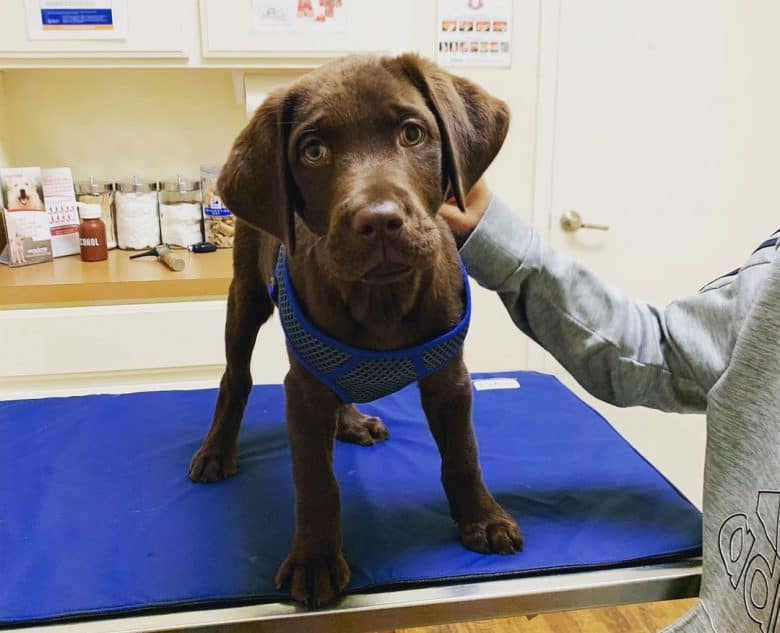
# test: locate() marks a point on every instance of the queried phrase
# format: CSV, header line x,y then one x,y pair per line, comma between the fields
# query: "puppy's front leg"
x,y
315,570
483,524
249,306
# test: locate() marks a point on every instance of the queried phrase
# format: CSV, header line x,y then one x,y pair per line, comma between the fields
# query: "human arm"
x,y
623,351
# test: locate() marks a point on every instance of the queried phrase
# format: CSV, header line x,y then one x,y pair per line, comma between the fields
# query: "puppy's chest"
x,y
386,335
365,348
389,323
381,317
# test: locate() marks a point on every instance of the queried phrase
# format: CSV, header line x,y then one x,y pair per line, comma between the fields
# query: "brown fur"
x,y
358,109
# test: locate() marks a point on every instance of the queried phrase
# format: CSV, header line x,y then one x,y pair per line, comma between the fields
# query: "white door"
x,y
661,120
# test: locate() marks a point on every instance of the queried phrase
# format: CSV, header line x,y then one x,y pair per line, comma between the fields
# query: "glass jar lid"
x,y
181,185
93,187
137,186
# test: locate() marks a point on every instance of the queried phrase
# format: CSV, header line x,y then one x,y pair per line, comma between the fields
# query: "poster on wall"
x,y
475,33
77,19
302,16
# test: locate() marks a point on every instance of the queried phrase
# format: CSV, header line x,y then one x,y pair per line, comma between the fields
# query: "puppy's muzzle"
x,y
378,226
379,221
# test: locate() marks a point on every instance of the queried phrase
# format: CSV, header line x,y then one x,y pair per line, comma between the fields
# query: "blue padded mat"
x,y
97,515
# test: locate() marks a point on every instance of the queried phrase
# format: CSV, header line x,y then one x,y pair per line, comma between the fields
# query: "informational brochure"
x,y
25,237
60,203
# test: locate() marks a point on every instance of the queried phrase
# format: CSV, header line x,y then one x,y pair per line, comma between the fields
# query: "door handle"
x,y
572,221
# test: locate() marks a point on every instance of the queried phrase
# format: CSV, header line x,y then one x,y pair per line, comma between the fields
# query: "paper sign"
x,y
304,16
475,33
77,19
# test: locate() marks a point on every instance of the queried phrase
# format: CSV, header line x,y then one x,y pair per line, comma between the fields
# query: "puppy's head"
x,y
365,150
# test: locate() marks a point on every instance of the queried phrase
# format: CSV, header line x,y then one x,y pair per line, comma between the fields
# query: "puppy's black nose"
x,y
22,193
380,219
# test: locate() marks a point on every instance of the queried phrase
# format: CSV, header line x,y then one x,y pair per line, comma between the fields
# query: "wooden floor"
x,y
641,618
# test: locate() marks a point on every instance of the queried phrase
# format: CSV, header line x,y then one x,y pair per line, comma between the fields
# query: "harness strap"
x,y
352,373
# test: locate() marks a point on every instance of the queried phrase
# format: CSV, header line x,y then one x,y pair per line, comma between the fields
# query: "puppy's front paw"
x,y
212,464
357,428
497,533
311,579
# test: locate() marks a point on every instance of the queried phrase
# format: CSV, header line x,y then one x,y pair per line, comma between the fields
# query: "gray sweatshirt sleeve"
x,y
624,352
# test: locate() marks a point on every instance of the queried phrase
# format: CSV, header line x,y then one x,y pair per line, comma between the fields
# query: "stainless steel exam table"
x,y
424,607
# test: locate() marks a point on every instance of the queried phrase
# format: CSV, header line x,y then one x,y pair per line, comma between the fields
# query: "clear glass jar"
x,y
180,212
102,193
219,224
137,217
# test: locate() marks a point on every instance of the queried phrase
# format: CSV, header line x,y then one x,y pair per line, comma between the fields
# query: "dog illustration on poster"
x,y
16,246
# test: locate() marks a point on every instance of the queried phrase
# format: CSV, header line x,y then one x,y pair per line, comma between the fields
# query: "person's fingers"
x,y
450,210
460,223
479,192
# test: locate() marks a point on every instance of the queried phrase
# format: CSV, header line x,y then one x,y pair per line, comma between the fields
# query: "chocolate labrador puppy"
x,y
347,169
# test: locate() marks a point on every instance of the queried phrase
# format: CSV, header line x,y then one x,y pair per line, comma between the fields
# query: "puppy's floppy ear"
x,y
256,183
472,123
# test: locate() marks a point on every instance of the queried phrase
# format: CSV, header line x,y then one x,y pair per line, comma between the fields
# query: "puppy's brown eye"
x,y
412,134
313,152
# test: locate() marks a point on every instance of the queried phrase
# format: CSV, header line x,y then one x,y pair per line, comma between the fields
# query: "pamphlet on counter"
x,y
25,237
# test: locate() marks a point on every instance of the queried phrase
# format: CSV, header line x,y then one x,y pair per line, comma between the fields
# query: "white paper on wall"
x,y
303,16
77,20
474,33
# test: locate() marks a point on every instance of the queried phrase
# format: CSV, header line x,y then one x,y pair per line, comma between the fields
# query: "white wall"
x,y
494,343
114,123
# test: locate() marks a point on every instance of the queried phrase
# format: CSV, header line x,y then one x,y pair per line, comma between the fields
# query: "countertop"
x,y
68,281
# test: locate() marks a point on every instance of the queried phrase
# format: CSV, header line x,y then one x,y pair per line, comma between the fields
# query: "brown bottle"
x,y
92,233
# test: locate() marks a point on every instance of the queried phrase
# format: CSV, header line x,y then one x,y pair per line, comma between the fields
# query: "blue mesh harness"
x,y
360,375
